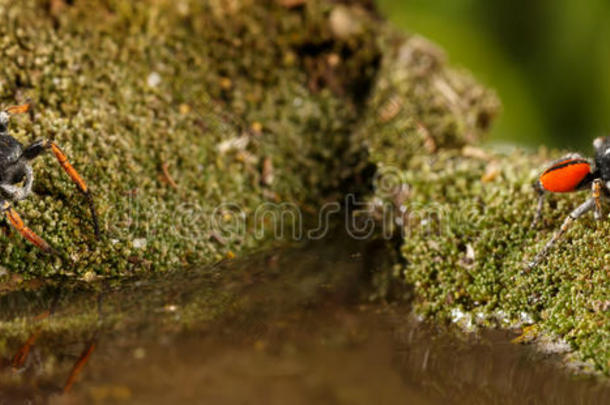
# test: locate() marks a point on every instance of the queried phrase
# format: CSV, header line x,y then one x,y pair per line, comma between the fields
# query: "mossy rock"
x,y
420,104
172,111
463,214
182,116
465,220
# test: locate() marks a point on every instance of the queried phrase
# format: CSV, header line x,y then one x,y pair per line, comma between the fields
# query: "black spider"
x,y
17,176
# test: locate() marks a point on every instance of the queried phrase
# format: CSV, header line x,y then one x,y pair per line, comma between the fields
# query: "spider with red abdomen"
x,y
575,173
17,176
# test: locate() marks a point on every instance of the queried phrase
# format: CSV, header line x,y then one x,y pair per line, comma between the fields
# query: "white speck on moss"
x,y
525,318
462,319
154,79
139,243
237,144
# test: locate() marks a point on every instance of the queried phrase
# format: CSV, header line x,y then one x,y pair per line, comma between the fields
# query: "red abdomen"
x,y
565,176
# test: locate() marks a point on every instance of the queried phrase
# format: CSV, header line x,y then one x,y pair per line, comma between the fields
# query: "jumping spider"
x,y
17,176
574,173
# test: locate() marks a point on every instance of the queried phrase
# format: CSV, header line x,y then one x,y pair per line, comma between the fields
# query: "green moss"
x,y
242,103
467,239
464,214
420,104
250,102
245,103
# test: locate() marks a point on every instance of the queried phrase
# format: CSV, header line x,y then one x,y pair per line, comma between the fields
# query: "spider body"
x,y
17,176
10,150
575,173
572,173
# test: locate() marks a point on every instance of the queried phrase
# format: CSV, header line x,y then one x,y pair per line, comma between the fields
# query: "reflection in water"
x,y
21,363
288,327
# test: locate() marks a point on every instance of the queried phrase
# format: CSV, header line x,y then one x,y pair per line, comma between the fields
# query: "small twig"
x,y
168,177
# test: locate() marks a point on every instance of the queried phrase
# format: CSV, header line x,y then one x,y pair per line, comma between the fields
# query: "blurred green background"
x,y
549,60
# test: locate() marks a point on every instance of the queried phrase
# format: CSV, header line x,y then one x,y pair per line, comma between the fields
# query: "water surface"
x,y
293,326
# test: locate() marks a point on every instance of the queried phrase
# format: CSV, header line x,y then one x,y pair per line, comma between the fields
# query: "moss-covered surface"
x,y
172,110
566,295
463,214
419,104
467,239
169,110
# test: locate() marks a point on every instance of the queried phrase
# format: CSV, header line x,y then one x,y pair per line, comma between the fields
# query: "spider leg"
x,y
574,215
18,109
541,198
38,147
596,191
78,180
15,220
